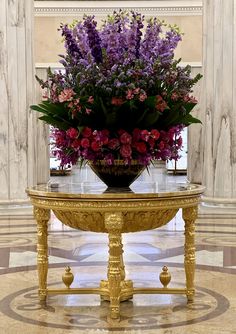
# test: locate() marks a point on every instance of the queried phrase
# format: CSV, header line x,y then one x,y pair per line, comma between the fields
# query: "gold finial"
x,y
67,277
165,277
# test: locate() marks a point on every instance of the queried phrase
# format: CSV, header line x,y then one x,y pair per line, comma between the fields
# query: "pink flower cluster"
x,y
142,145
138,93
75,103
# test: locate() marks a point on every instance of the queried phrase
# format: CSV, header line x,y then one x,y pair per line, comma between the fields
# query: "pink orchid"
x,y
66,95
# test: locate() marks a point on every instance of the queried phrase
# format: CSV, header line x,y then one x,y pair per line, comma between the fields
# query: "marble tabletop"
x,y
99,189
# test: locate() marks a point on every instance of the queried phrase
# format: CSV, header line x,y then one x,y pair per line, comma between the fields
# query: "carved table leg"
x,y
127,288
122,266
113,224
42,216
189,216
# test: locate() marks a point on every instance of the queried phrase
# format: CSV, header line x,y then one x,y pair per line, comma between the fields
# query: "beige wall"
x,y
48,41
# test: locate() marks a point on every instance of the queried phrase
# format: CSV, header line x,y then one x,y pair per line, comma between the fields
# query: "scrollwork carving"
x,y
86,221
41,214
147,220
132,220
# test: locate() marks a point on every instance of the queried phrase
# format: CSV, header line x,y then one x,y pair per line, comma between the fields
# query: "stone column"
x,y
194,164
218,103
20,136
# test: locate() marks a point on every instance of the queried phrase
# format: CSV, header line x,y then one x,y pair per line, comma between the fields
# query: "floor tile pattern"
x,y
145,253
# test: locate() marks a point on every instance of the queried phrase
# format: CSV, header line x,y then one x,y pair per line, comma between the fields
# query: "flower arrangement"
x,y
122,95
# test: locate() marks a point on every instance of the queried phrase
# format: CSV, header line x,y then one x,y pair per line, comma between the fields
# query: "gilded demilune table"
x,y
90,207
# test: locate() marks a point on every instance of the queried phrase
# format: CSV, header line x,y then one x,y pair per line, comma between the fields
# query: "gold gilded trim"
x,y
124,204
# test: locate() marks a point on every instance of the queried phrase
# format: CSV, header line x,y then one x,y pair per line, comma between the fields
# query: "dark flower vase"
x,y
117,175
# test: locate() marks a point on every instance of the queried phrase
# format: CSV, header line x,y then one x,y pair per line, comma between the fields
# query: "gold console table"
x,y
90,207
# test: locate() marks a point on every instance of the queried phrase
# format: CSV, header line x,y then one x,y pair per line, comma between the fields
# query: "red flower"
x,y
126,151
125,138
161,105
75,143
145,135
104,137
161,145
86,132
105,132
136,134
141,147
95,146
85,143
72,133
117,101
155,134
151,142
113,144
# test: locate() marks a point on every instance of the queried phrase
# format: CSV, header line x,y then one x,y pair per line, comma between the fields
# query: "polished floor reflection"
x,y
145,254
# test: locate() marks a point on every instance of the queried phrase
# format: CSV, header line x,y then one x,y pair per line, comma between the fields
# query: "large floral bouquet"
x,y
122,95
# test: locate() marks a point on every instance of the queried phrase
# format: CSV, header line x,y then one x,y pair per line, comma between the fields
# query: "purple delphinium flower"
x,y
82,41
71,44
93,38
138,22
150,40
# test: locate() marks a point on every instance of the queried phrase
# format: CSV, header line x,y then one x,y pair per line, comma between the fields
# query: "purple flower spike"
x,y
71,44
138,23
94,39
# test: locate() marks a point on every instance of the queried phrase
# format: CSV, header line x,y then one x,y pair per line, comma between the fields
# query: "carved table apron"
x,y
92,209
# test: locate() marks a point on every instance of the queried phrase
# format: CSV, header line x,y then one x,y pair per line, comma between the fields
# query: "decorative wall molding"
x,y
102,8
196,65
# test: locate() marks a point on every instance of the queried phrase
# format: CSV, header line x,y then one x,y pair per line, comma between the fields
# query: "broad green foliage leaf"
x,y
189,119
55,114
150,119
54,122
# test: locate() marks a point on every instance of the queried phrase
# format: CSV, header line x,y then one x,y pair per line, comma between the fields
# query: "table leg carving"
x,y
189,216
42,217
113,224
122,266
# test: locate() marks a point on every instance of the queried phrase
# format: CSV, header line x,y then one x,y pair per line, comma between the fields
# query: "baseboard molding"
x,y
19,211
216,211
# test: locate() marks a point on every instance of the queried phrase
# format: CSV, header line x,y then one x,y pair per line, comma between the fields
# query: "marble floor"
x,y
213,311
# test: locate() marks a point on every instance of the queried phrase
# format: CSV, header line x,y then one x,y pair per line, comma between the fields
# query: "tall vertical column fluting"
x,y
19,132
218,103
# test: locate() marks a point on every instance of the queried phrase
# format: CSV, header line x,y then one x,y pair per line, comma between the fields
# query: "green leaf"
x,y
111,119
103,106
54,122
189,119
150,119
55,112
189,106
151,102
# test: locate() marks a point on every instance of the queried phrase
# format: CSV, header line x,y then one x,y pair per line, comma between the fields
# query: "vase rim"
x,y
116,162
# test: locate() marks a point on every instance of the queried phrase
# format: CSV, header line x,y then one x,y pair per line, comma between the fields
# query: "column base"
x,y
217,207
16,209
